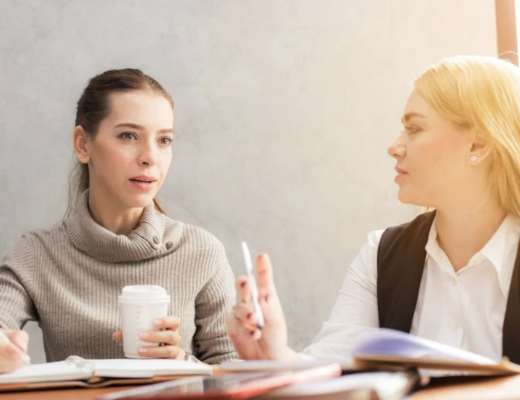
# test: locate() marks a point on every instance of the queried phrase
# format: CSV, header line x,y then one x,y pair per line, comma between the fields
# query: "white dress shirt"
x,y
464,309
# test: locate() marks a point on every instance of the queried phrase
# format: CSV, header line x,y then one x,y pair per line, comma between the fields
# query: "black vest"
x,y
400,264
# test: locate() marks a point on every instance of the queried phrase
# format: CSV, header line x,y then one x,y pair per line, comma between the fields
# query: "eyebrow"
x,y
407,117
140,128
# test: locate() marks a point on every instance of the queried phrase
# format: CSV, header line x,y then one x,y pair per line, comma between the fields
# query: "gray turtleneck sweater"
x,y
68,278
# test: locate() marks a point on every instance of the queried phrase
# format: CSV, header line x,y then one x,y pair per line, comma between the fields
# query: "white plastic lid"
x,y
144,292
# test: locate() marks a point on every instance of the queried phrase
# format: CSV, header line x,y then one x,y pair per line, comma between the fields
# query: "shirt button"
x,y
454,326
453,282
169,245
156,240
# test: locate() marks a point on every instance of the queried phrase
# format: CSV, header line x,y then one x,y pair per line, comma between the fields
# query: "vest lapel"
x,y
400,264
511,329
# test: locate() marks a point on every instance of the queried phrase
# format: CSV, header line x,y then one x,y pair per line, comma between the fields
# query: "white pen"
x,y
252,284
25,357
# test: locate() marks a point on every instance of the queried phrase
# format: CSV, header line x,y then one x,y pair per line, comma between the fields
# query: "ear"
x,y
480,149
80,143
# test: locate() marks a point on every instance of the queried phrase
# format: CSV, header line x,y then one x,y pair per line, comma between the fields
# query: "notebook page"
x,y
143,368
53,371
394,343
269,365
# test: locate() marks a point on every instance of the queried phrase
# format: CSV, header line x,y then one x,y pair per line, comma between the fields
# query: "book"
x,y
388,349
77,371
346,364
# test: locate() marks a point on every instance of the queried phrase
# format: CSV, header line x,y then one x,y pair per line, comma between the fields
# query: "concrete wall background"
x,y
284,110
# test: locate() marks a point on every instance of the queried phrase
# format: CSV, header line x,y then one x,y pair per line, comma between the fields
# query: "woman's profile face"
x,y
130,154
432,156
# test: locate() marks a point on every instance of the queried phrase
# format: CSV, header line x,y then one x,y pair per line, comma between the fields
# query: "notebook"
x,y
346,364
77,371
390,349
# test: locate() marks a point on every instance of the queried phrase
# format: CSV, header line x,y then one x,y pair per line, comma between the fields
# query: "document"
x,y
76,371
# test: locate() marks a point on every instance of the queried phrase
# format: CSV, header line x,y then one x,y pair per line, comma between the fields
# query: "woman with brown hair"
x,y
115,234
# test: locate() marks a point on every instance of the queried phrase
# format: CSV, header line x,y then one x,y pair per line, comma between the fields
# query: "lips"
x,y
143,179
143,182
400,174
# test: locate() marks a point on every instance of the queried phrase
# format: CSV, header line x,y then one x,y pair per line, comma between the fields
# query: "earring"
x,y
473,158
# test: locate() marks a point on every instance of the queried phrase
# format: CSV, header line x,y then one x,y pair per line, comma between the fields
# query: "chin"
x,y
139,201
406,197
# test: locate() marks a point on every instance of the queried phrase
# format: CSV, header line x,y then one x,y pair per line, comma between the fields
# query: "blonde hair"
x,y
482,93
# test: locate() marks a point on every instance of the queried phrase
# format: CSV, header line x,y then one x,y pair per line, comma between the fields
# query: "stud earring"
x,y
473,158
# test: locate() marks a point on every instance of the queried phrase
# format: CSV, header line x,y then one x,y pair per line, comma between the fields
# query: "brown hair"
x,y
93,106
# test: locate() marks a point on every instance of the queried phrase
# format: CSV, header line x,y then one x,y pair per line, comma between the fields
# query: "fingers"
x,y
118,336
240,332
19,339
168,337
264,274
171,323
245,315
243,289
172,352
13,352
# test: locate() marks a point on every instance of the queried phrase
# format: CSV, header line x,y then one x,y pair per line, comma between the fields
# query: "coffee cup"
x,y
140,305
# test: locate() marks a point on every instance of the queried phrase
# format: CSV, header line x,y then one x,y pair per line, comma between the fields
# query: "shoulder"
x,y
196,243
24,251
192,236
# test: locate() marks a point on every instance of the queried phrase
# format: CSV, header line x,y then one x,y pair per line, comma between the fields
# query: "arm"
x,y
16,306
16,271
211,342
355,309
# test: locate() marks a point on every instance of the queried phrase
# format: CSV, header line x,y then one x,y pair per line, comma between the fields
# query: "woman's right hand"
x,y
12,352
251,343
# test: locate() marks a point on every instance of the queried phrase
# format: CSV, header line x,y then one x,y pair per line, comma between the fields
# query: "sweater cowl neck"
x,y
147,240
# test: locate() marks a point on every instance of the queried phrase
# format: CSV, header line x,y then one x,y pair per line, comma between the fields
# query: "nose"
x,y
148,154
397,149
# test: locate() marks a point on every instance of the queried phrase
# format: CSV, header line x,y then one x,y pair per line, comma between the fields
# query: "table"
x,y
501,388
466,388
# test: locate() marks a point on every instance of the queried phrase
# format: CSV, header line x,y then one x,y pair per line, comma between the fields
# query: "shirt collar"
x,y
500,251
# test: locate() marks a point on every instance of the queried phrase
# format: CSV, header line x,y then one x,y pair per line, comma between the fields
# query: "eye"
x,y
128,136
166,140
411,129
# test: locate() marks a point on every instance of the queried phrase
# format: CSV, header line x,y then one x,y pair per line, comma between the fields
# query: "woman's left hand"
x,y
169,336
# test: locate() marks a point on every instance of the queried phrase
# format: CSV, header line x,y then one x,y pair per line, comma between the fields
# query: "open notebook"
x,y
391,349
77,371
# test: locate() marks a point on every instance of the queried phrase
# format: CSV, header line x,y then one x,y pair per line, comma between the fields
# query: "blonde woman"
x,y
68,277
452,274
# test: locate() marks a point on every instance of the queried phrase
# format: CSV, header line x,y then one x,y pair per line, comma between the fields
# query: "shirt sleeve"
x,y
16,273
211,341
355,309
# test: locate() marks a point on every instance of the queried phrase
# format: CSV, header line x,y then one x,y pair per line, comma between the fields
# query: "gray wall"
x,y
284,111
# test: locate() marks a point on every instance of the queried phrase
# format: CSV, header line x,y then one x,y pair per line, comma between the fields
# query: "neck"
x,y
112,216
462,233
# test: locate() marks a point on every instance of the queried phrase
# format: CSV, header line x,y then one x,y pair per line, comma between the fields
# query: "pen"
x,y
25,357
252,282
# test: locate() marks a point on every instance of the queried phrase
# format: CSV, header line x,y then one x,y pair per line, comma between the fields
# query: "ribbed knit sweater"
x,y
68,278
